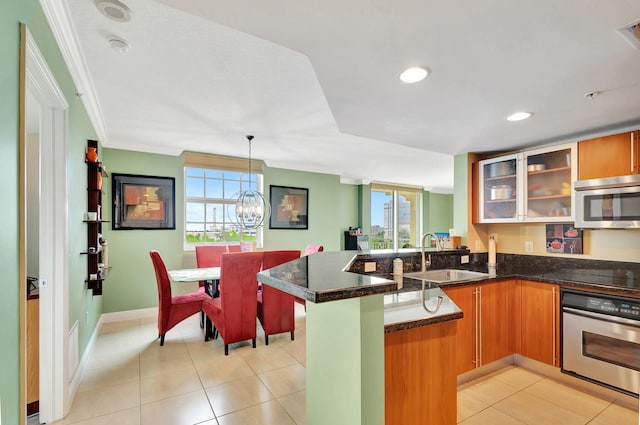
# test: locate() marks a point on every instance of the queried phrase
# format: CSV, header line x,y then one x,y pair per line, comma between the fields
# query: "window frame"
x,y
395,197
256,180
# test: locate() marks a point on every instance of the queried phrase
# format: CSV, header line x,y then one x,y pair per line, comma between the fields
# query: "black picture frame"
x,y
289,208
143,202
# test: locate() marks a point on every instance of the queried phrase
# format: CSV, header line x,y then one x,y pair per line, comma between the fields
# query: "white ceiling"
x,y
316,82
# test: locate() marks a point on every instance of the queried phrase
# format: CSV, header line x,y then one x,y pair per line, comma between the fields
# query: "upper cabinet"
x,y
610,156
528,186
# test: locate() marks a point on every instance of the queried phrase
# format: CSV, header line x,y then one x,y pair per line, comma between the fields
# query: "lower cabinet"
x,y
420,376
486,332
539,321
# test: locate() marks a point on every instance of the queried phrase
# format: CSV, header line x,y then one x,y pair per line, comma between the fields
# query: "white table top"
x,y
195,275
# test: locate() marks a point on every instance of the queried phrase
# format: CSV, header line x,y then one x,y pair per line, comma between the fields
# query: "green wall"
x,y
437,212
131,282
332,209
12,12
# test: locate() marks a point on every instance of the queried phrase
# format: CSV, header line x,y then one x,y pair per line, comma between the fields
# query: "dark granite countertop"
x,y
330,276
322,277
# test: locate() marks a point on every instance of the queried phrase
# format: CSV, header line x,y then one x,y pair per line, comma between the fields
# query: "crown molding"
x,y
59,19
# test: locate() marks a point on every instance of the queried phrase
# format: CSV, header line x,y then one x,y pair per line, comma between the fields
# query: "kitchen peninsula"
x,y
354,369
367,351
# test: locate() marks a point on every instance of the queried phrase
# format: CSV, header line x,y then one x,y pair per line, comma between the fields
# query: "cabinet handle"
x,y
633,148
475,301
553,323
479,344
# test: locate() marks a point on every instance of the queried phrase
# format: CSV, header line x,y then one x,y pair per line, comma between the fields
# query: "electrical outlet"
x,y
528,246
370,266
464,259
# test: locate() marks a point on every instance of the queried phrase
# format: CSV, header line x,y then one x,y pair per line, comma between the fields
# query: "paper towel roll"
x,y
492,251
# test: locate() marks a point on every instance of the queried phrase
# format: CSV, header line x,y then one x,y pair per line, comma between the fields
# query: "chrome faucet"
x,y
438,248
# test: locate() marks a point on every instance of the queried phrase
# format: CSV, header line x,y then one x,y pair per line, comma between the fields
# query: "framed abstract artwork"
x,y
143,202
289,208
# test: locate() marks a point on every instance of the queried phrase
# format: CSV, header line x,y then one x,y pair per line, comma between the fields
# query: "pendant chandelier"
x,y
250,208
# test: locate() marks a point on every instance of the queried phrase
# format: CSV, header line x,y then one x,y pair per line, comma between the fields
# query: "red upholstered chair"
x,y
234,312
311,248
275,308
234,247
172,309
208,256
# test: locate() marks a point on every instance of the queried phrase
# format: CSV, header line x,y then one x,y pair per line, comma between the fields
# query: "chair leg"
x,y
266,339
207,329
292,337
254,342
226,349
162,340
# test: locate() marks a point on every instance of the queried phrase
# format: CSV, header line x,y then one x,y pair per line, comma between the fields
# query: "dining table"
x,y
209,275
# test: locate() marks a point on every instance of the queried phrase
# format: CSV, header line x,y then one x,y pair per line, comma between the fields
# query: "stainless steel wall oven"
x,y
601,339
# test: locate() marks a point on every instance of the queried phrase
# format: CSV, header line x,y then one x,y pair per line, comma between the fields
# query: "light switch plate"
x,y
528,246
370,266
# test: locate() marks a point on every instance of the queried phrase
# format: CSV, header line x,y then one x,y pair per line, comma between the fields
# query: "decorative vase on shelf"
x,y
92,154
99,182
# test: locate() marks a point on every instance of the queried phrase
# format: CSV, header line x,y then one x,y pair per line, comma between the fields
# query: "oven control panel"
x,y
606,304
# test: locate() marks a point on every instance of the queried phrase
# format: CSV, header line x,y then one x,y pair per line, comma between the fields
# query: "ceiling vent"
x,y
115,10
631,33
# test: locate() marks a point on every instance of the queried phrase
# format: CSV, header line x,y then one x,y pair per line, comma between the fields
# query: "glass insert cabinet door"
x,y
548,184
499,183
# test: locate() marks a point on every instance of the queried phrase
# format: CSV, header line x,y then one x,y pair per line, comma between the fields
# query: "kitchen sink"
x,y
447,275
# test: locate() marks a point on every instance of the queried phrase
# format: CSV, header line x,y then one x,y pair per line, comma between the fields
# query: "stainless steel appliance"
x,y
601,339
608,203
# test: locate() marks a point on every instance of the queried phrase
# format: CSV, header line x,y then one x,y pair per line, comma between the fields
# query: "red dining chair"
x,y
312,248
275,308
208,256
172,309
234,247
234,313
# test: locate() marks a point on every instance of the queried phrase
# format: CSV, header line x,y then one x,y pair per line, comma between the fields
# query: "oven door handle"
x,y
605,317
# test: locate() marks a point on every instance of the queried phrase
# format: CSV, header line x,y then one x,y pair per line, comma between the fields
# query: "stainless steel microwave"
x,y
609,203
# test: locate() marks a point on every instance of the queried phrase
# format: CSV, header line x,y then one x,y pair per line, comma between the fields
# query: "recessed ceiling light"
x,y
414,75
113,9
519,116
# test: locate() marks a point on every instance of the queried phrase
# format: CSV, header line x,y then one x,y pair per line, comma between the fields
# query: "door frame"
x,y
53,244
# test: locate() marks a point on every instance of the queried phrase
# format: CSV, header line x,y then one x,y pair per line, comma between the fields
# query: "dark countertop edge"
x,y
325,296
412,324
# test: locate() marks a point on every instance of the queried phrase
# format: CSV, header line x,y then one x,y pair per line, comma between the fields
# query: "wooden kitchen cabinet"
x,y
465,355
420,377
539,321
486,332
496,324
609,156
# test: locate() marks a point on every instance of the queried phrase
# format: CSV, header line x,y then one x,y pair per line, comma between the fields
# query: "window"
x,y
395,214
210,205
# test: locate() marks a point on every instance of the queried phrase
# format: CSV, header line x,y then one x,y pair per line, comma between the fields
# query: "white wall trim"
x,y
54,313
58,16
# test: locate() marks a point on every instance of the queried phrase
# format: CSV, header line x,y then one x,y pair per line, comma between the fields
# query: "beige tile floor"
x,y
131,380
